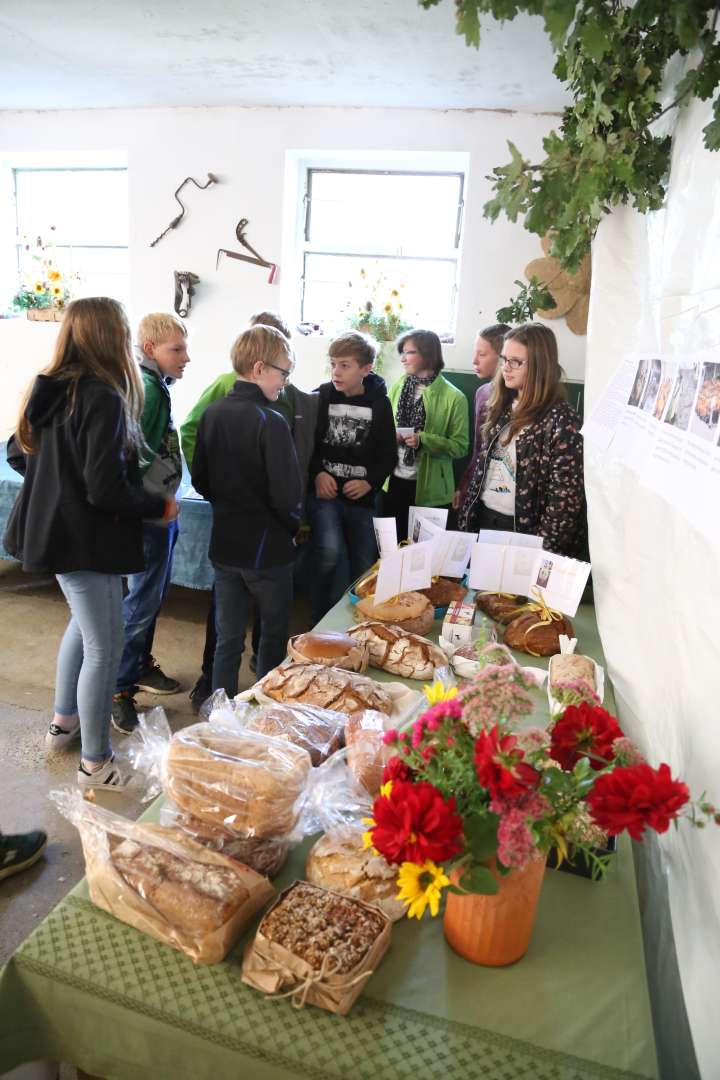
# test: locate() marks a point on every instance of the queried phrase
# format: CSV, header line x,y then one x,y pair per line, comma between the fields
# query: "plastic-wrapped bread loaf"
x,y
366,751
398,651
319,731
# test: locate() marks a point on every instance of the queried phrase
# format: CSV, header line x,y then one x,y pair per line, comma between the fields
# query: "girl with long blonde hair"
x,y
528,476
79,513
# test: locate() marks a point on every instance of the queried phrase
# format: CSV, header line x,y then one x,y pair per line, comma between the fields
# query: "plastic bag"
x,y
266,856
161,882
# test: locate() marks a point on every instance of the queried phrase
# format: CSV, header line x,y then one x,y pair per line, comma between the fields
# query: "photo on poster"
x,y
680,406
544,573
639,384
706,413
667,380
650,393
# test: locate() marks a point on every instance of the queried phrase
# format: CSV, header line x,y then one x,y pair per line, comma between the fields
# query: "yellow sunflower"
x,y
39,288
421,887
57,292
54,275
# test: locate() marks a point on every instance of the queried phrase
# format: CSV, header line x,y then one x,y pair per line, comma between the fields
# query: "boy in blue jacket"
x,y
256,504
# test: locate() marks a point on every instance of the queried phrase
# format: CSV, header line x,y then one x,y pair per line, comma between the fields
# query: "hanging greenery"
x,y
613,55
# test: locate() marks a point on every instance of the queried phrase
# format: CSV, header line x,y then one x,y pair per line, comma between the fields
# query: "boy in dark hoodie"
x,y
355,452
162,356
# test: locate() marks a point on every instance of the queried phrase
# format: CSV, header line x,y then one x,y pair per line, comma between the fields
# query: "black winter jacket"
x,y
245,464
355,437
82,503
549,486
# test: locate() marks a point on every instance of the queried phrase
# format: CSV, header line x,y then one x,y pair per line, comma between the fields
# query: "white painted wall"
x,y
248,149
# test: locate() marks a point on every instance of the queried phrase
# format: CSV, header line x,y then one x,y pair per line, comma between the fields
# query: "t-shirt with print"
x,y
498,491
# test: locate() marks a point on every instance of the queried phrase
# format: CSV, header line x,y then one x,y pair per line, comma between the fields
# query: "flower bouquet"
x,y
470,797
376,308
45,287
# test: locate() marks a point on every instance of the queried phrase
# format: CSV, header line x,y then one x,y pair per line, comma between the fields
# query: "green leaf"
x,y
558,15
481,837
594,40
468,22
478,879
712,130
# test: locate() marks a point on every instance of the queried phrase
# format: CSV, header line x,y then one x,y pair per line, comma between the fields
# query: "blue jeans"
x,y
341,532
235,590
146,592
89,655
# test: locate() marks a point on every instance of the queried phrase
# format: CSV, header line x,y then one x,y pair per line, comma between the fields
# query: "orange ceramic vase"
x,y
495,930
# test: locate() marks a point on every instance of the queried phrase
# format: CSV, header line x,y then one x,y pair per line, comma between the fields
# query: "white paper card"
x,y
404,570
513,539
430,513
559,580
386,535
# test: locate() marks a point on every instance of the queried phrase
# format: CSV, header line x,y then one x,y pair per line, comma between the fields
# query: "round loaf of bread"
x,y
502,609
329,687
337,861
410,611
527,634
396,650
443,591
572,666
314,729
329,648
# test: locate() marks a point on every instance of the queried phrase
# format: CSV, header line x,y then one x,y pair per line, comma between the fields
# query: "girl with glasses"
x,y
528,474
431,418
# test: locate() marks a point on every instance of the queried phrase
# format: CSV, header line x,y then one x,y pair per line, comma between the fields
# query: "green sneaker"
x,y
19,852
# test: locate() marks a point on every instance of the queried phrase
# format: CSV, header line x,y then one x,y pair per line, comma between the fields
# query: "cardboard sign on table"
x,y
451,549
405,570
521,566
417,514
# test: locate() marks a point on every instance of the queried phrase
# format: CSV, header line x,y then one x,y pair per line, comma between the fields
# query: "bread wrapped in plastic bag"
x,y
317,730
265,855
161,882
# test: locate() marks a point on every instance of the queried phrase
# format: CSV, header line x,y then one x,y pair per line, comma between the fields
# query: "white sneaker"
x,y
58,739
108,777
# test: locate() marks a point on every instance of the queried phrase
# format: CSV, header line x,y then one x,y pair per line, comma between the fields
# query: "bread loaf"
x,y
569,667
337,861
331,649
398,651
243,781
529,635
166,885
331,688
319,731
267,857
410,611
443,591
366,751
498,606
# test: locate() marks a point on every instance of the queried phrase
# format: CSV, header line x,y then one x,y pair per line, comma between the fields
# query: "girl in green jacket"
x,y
431,417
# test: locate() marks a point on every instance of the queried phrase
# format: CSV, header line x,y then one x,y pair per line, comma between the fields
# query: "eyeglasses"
x,y
409,352
512,363
285,372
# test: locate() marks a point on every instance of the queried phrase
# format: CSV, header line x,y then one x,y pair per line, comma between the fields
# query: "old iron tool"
x,y
254,257
212,179
185,282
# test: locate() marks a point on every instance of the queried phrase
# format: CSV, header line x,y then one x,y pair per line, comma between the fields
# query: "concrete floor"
x,y
33,615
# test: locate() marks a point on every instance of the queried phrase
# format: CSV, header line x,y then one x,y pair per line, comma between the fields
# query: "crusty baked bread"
x,y
267,857
329,648
319,731
331,688
501,608
166,885
410,611
398,651
527,634
240,780
337,861
366,751
443,591
571,666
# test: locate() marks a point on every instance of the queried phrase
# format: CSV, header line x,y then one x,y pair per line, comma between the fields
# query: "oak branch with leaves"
x,y
613,57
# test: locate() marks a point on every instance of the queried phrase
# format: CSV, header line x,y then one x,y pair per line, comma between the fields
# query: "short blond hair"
x,y
262,344
158,326
352,343
271,318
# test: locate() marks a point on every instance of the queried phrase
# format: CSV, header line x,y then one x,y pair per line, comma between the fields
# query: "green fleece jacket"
x,y
446,436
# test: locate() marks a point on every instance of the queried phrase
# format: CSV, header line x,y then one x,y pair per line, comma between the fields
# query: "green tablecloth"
x,y
85,988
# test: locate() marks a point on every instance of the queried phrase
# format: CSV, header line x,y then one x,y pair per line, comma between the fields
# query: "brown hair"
x,y
271,318
94,339
260,344
542,387
158,327
352,343
495,335
427,344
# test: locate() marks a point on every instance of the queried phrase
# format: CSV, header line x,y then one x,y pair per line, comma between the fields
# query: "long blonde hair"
x,y
95,340
542,387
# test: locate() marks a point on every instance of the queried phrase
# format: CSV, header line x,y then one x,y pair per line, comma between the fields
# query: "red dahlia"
x,y
635,797
500,767
414,823
584,731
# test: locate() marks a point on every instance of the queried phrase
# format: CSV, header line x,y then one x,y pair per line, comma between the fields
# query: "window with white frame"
x,y
388,237
80,216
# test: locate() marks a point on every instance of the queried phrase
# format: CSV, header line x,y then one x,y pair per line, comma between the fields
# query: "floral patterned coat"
x,y
549,486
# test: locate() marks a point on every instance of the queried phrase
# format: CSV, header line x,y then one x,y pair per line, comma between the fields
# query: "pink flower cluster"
x,y
431,720
499,691
515,841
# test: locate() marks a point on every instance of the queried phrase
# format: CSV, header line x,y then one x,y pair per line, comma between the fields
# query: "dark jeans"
x,y
341,530
146,592
235,590
211,638
490,519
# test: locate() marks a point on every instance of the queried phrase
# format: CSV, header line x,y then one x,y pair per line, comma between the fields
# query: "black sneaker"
x,y
199,694
19,852
124,715
154,680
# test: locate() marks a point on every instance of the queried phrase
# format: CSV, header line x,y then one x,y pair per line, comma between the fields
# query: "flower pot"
x,y
495,930
45,314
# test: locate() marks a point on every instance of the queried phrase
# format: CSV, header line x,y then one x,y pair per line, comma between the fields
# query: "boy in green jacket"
x,y
300,410
162,356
